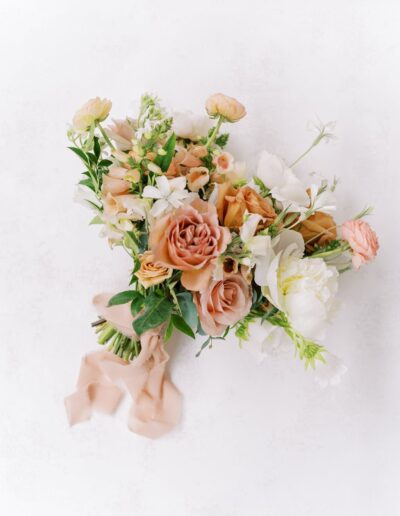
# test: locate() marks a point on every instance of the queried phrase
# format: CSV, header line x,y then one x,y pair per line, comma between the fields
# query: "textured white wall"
x,y
254,440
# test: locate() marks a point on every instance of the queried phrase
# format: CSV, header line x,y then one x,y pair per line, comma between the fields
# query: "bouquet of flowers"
x,y
214,250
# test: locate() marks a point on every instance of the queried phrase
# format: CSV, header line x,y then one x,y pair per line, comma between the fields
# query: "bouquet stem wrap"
x,y
105,377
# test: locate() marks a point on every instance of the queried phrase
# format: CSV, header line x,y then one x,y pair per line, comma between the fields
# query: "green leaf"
x,y
157,310
169,330
164,161
88,183
182,326
188,309
137,304
95,220
222,140
105,163
96,147
81,154
123,297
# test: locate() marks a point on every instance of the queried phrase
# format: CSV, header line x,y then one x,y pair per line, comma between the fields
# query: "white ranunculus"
x,y
331,372
281,180
95,110
304,289
266,339
189,125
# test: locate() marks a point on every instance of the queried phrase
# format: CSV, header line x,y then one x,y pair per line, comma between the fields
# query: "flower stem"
x,y
104,134
214,134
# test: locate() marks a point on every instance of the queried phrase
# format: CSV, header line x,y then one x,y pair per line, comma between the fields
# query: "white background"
x,y
254,440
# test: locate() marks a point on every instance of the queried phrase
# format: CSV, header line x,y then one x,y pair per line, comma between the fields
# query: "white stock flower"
x,y
189,125
304,289
170,194
260,247
281,180
331,372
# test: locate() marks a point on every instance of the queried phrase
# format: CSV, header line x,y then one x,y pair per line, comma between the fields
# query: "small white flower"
x,y
322,198
189,125
224,162
170,194
266,339
281,180
331,372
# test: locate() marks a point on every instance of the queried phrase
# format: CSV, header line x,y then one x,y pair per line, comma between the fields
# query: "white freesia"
x,y
266,339
189,125
284,185
260,247
170,194
304,289
331,372
324,200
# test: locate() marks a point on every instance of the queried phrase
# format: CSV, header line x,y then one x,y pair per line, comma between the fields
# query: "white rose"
x,y
94,110
191,126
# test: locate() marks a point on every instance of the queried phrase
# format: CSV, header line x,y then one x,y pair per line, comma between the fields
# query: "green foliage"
x,y
163,161
137,304
157,309
188,309
222,140
264,190
182,326
123,297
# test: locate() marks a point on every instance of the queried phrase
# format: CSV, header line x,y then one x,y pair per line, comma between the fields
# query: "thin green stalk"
x,y
104,134
214,134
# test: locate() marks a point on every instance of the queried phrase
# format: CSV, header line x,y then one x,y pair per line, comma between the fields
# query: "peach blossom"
x,y
122,133
190,239
197,178
227,107
114,182
363,241
223,303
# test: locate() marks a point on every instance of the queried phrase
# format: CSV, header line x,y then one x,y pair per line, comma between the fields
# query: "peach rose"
x,y
232,203
95,110
362,239
223,303
151,273
227,107
319,229
197,178
190,239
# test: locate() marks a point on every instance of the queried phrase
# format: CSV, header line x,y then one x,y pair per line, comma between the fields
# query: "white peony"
x,y
281,180
304,289
189,125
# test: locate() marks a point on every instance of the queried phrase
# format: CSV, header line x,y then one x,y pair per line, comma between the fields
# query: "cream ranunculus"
x,y
227,107
304,289
151,273
94,110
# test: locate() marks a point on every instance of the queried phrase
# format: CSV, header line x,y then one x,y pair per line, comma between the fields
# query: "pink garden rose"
x,y
223,303
190,239
362,239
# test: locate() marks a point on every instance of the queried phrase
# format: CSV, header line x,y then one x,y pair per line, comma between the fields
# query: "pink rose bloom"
x,y
223,303
190,239
362,239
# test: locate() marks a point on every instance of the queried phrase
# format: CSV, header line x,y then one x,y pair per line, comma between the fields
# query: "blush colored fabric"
x,y
104,378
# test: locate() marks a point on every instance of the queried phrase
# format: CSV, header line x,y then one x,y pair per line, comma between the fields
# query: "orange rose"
x,y
151,273
232,203
190,239
319,229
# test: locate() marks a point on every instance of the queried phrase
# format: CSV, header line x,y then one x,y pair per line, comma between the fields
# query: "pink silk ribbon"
x,y
156,407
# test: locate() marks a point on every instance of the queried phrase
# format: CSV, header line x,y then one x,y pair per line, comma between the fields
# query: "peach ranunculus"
x,y
122,133
190,239
318,229
95,110
151,273
223,303
197,178
232,204
227,107
362,239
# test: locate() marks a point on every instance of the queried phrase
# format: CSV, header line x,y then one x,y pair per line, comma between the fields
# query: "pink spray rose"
x,y
190,239
223,303
362,239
